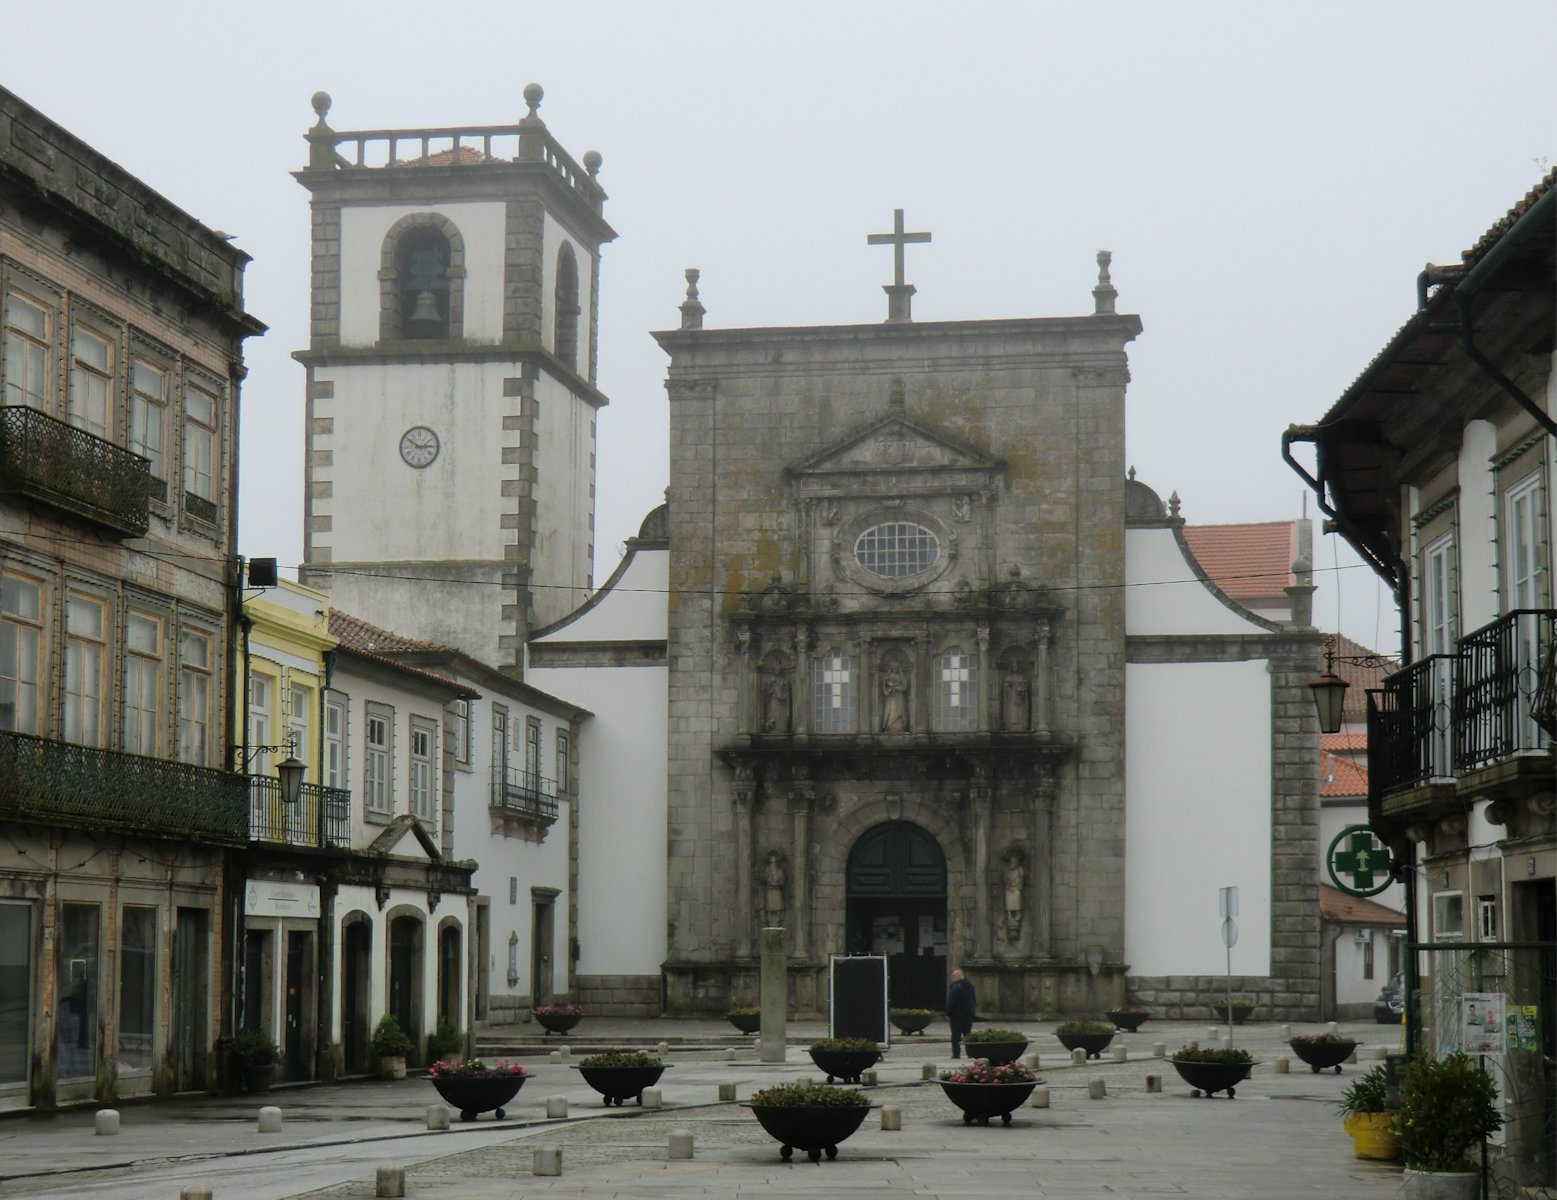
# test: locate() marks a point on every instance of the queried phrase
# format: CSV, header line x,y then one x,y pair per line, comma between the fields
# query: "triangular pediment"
x,y
406,837
897,443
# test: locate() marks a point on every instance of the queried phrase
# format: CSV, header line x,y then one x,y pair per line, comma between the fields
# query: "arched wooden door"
x,y
897,907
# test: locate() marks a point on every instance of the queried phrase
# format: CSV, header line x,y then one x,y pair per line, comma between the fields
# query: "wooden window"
x,y
300,706
532,750
335,742
142,724
1523,552
260,692
1440,608
149,417
564,764
377,791
86,669
195,663
22,644
28,348
200,423
91,382
423,738
459,731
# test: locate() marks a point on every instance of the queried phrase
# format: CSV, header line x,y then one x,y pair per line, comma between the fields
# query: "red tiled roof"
x,y
469,155
1360,675
1336,905
356,634
1248,562
1341,743
1506,221
1343,774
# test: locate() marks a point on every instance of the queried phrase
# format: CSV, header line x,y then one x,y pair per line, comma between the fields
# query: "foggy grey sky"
x,y
1270,178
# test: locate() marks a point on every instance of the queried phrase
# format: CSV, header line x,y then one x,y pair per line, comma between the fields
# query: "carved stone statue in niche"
x,y
962,509
775,694
774,877
1016,696
894,695
1015,882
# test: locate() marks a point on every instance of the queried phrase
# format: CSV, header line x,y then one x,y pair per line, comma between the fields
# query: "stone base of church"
x,y
1008,990
619,995
1194,997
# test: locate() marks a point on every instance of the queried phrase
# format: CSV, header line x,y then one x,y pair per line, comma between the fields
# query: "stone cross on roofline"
x,y
899,294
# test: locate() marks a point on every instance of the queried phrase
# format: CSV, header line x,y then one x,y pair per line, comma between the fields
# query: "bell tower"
x,y
451,398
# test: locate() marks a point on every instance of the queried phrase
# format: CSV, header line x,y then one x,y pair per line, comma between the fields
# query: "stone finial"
x,y
1173,505
321,138
533,94
692,309
321,102
1104,294
895,394
592,161
1130,474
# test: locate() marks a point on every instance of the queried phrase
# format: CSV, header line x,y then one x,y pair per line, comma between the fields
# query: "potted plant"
x,y
391,1046
811,1117
446,1043
910,1020
557,1018
1447,1106
844,1057
1208,1071
621,1074
1238,1011
1365,1109
474,1087
986,1089
1128,1018
996,1045
1091,1036
256,1055
1322,1050
747,1019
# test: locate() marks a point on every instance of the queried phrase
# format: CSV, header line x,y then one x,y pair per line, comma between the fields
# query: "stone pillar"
x,y
1040,899
987,678
774,996
1040,680
800,800
748,705
981,797
745,789
800,684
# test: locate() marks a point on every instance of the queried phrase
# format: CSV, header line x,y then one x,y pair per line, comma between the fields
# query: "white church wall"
x,y
363,229
1163,595
1353,986
1197,814
357,898
564,501
633,610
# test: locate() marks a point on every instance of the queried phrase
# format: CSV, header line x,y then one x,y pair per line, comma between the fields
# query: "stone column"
x,y
800,801
1040,681
749,696
981,799
1040,899
745,789
800,686
774,994
987,678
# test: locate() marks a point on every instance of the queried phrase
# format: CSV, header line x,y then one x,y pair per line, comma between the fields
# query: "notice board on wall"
x,y
857,997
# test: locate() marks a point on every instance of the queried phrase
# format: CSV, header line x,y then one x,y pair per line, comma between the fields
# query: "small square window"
x,y
1448,916
1487,918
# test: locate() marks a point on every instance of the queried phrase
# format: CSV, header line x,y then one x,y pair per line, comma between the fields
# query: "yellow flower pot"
x,y
1372,1136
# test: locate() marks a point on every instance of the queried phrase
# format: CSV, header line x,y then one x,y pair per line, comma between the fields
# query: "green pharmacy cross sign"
x,y
1356,859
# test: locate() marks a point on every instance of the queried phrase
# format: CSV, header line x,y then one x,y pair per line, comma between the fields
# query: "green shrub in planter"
x,y
1447,1105
844,1046
389,1040
446,1042
621,1058
745,1010
810,1095
1229,1055
1367,1094
1082,1028
910,1014
255,1049
999,1035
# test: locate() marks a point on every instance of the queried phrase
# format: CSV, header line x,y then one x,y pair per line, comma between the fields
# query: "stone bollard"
x,y
868,1078
1332,1027
664,1049
1078,1057
1381,1053
729,1056
547,1160
1096,1089
1153,1083
389,1181
195,1191
437,1117
556,1108
1352,1057
680,1143
927,1071
891,1118
1040,1098
727,1092
555,1056
270,1119
1032,1061
106,1122
804,1080
652,1098
564,1052
1121,1054
1286,1033
1159,1049
1281,1064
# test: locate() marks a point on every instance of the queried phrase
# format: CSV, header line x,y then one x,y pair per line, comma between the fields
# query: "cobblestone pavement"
x,y
1280,1138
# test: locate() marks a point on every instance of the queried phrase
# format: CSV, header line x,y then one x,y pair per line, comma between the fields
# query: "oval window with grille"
x,y
897,549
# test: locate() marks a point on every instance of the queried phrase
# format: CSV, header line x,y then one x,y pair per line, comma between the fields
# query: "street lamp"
x,y
1330,689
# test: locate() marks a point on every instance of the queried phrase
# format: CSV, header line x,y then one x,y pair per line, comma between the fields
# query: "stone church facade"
x,y
896,670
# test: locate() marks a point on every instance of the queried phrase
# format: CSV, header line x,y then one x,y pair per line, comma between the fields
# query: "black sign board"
x,y
857,997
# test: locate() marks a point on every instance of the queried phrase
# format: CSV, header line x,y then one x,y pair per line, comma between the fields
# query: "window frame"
x,y
149,989
1440,564
39,626
192,431
85,715
564,766
844,694
1442,903
378,758
189,675
943,690
141,401
47,348
423,774
107,376
135,692
1522,513
459,732
336,768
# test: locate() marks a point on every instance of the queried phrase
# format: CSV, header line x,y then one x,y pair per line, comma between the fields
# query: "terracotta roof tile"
x,y
1336,905
1342,774
469,155
357,634
1506,221
1248,562
1360,675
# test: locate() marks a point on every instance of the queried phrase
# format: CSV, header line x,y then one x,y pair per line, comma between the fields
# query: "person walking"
x,y
961,1004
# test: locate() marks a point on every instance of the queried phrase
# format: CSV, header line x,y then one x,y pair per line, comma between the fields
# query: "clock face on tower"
x,y
418,446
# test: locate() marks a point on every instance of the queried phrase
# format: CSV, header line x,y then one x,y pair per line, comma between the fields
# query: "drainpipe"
x,y
1386,566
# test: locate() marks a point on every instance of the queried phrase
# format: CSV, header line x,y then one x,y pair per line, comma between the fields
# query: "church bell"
x,y
425,320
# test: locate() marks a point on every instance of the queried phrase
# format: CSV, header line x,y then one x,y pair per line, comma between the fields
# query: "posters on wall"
x,y
1482,1023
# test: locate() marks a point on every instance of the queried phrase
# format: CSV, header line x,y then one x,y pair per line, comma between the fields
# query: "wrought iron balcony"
x,y
523,794
1497,675
272,819
72,470
60,783
1411,727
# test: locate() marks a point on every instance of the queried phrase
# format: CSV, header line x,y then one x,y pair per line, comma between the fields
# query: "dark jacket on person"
x,y
961,1003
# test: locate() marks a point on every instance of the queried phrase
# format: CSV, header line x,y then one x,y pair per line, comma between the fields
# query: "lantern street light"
x,y
1330,689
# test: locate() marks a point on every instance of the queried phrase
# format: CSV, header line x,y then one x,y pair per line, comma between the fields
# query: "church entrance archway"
x,y
897,907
